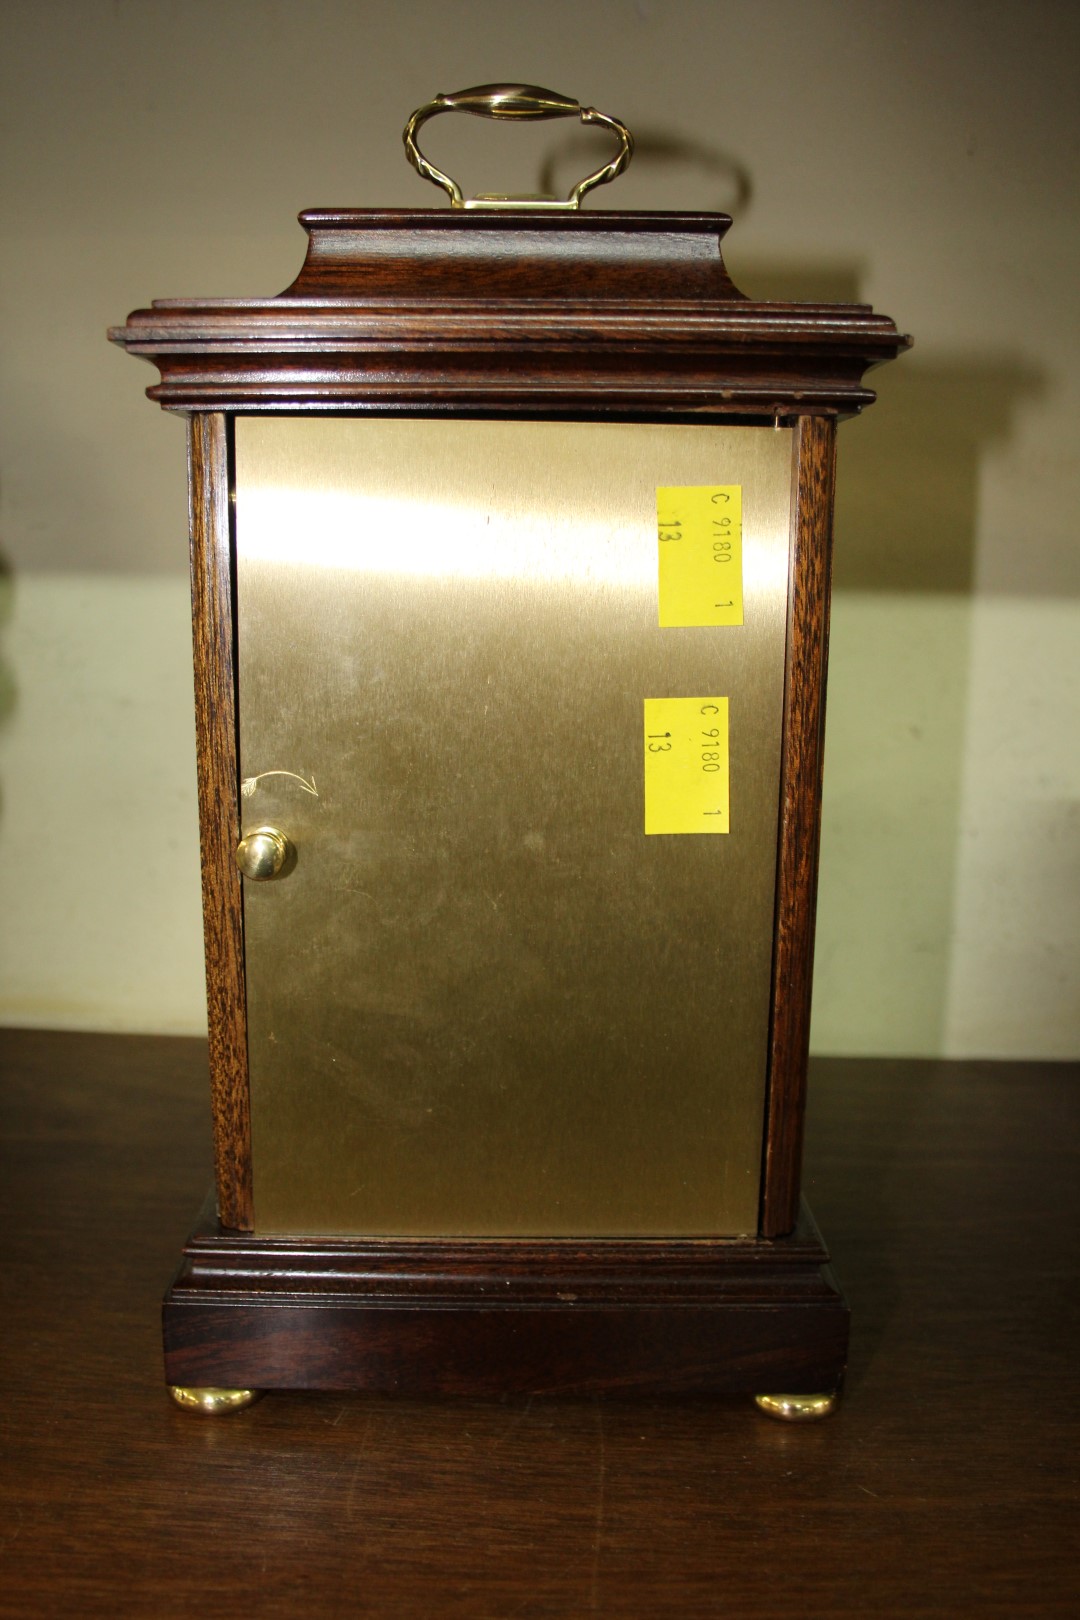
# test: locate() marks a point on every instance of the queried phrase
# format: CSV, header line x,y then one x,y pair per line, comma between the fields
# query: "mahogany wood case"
x,y
591,316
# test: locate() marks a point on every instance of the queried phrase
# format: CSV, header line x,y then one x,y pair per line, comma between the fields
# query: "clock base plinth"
x,y
488,1317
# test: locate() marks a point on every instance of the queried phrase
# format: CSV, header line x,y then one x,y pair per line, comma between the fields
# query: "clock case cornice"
x,y
512,313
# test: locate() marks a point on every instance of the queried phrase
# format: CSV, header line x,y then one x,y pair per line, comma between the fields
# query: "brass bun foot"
x,y
798,1408
213,1402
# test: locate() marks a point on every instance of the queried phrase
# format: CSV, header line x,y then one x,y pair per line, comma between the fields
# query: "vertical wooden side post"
x,y
800,819
219,812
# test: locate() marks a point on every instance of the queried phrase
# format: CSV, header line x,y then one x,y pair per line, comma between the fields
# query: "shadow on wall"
x,y
717,180
905,576
908,507
8,686
910,488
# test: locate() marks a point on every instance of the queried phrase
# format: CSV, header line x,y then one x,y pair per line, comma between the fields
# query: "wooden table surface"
x,y
948,1483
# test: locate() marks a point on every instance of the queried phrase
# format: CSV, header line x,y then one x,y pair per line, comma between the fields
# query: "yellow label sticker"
x,y
699,530
686,765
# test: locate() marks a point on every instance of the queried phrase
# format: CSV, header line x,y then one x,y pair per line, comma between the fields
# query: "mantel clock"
x,y
510,540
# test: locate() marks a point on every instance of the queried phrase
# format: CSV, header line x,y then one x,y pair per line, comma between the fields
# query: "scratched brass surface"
x,y
480,1000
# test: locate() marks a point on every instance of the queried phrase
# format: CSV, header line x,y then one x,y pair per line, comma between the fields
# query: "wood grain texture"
x,y
800,821
607,255
946,1485
484,1317
219,812
435,310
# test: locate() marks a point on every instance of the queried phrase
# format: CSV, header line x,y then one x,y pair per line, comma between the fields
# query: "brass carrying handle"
x,y
515,101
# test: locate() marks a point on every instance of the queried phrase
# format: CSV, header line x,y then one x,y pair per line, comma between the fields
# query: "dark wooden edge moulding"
x,y
598,315
436,310
801,759
216,751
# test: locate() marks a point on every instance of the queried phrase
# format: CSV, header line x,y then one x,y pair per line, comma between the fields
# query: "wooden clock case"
x,y
596,316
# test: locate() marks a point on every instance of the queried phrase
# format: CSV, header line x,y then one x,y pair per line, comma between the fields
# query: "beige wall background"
x,y
919,156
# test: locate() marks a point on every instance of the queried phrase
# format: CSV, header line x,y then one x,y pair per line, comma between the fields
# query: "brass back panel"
x,y
482,1001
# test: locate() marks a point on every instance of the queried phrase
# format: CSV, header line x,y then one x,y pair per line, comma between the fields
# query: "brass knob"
x,y
262,853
